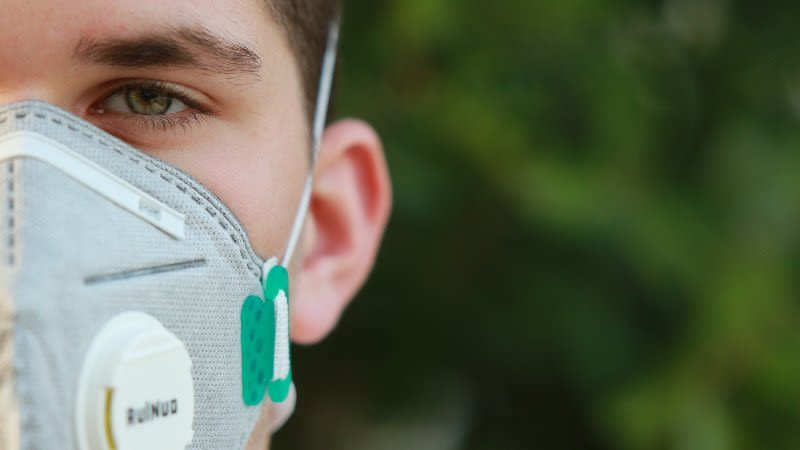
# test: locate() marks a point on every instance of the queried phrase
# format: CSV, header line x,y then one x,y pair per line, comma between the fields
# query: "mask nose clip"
x,y
29,144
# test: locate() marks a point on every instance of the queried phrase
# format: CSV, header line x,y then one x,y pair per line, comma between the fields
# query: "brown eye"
x,y
147,101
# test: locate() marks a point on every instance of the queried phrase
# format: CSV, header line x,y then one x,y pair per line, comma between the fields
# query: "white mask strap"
x,y
320,116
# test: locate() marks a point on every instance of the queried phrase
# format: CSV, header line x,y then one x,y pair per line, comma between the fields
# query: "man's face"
x,y
217,77
212,87
207,85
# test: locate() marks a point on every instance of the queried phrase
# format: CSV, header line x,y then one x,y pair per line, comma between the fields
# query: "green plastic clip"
x,y
258,325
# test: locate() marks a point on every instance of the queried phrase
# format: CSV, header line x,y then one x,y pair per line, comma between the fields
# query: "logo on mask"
x,y
152,411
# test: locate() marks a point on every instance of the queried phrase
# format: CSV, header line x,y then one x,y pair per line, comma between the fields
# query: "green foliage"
x,y
595,239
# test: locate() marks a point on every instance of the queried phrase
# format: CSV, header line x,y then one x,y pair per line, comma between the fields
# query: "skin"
x,y
251,151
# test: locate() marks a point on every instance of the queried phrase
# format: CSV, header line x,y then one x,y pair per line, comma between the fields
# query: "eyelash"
x,y
164,122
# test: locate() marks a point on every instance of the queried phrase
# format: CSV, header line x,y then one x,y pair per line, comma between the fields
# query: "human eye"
x,y
144,100
156,105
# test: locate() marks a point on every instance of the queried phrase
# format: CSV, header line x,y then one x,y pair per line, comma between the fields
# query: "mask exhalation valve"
x,y
135,389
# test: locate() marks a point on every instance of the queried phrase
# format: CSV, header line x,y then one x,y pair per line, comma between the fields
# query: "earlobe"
x,y
349,209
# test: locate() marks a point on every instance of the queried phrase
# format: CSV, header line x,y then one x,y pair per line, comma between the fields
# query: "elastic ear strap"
x,y
320,116
325,85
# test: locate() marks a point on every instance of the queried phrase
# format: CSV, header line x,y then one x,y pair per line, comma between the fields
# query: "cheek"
x,y
259,176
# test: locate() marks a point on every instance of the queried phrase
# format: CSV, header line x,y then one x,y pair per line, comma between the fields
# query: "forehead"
x,y
129,13
36,26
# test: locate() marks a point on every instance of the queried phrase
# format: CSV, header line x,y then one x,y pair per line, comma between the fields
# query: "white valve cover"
x,y
135,389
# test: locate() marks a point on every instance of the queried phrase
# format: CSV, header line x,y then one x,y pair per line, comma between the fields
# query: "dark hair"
x,y
306,24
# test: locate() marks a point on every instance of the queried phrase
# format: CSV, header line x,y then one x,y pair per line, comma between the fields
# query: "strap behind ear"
x,y
320,115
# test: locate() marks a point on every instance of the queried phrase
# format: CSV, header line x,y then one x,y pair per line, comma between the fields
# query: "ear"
x,y
349,207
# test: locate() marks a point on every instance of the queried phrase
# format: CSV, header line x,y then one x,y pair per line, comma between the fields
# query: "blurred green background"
x,y
595,238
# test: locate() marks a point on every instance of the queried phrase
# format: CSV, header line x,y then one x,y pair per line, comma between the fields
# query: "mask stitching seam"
x,y
225,224
10,221
198,199
129,274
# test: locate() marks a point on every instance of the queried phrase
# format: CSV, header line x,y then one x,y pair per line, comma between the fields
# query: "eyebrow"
x,y
188,47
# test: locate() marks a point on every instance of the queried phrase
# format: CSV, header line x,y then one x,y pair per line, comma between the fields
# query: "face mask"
x,y
133,311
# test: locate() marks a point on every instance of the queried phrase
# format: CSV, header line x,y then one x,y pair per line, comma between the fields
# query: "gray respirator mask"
x,y
133,312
